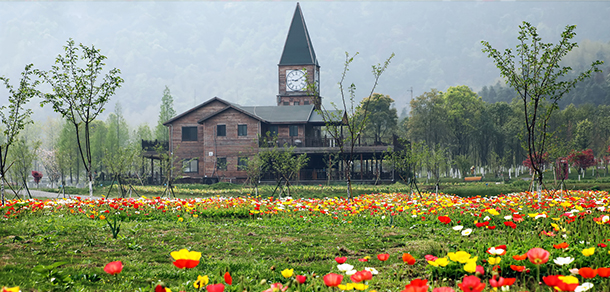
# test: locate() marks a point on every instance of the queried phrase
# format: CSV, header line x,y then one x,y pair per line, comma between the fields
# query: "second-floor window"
x,y
189,133
221,130
242,130
294,130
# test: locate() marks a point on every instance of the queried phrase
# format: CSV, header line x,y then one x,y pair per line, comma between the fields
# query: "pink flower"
x,y
276,287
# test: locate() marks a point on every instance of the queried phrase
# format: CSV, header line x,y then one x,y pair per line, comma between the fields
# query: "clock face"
x,y
295,80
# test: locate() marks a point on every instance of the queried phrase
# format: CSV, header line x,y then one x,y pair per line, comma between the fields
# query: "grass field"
x,y
64,245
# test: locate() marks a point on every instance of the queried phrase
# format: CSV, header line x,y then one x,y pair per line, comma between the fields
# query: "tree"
x,y
584,129
166,112
50,164
79,95
281,163
23,154
383,118
428,118
535,73
344,116
582,159
16,118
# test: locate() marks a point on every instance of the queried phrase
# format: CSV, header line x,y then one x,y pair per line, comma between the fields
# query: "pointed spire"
x,y
298,49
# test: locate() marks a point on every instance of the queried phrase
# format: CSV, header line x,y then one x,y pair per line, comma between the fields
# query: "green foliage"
x,y
382,119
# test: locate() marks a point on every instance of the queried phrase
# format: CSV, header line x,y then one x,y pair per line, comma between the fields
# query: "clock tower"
x,y
298,67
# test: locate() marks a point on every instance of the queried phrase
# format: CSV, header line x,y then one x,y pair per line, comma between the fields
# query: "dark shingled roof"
x,y
281,114
298,49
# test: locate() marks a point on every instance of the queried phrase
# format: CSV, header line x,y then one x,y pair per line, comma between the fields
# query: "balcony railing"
x,y
321,142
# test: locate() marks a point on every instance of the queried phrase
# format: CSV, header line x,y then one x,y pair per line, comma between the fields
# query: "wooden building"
x,y
215,138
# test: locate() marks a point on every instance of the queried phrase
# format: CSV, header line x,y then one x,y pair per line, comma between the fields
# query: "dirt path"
x,y
41,194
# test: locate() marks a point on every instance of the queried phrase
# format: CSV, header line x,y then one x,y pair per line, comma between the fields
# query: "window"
x,y
294,130
296,103
242,130
190,166
221,130
286,103
242,163
221,163
273,130
189,133
306,102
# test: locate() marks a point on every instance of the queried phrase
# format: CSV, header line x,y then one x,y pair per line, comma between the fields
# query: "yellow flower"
x,y
201,282
442,262
360,286
470,267
14,289
287,273
493,212
195,215
180,219
568,279
588,251
347,287
494,261
460,256
102,217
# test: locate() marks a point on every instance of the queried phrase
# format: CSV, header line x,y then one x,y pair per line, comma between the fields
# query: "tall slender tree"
x,y
15,117
166,112
78,93
535,73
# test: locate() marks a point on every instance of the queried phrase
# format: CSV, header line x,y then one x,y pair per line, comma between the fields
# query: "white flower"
x,y
486,218
584,287
574,271
466,232
563,261
345,267
458,227
509,217
605,219
382,217
351,272
565,236
496,251
413,216
372,270
540,216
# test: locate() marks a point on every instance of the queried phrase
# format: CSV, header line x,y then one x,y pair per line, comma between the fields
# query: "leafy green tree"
x,y
117,135
79,95
15,117
23,154
428,118
166,112
535,73
582,140
464,111
68,154
382,119
281,163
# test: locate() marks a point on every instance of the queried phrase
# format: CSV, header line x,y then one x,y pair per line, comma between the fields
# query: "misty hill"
x,y
231,49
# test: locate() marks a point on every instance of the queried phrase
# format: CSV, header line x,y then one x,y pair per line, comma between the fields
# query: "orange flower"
x,y
538,256
603,272
520,257
409,259
561,245
383,257
517,268
587,273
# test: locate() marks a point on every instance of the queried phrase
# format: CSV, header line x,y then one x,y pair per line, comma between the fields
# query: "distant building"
x,y
216,138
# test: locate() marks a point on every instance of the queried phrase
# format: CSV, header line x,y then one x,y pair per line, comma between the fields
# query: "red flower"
x,y
340,260
471,284
479,270
113,268
428,257
444,219
501,282
510,224
215,288
301,279
383,257
520,257
409,259
602,245
587,273
228,279
332,280
360,276
603,272
561,245
538,256
417,285
363,260
517,268
160,288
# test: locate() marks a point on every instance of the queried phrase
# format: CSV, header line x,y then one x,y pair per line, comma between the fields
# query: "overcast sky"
x,y
231,49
